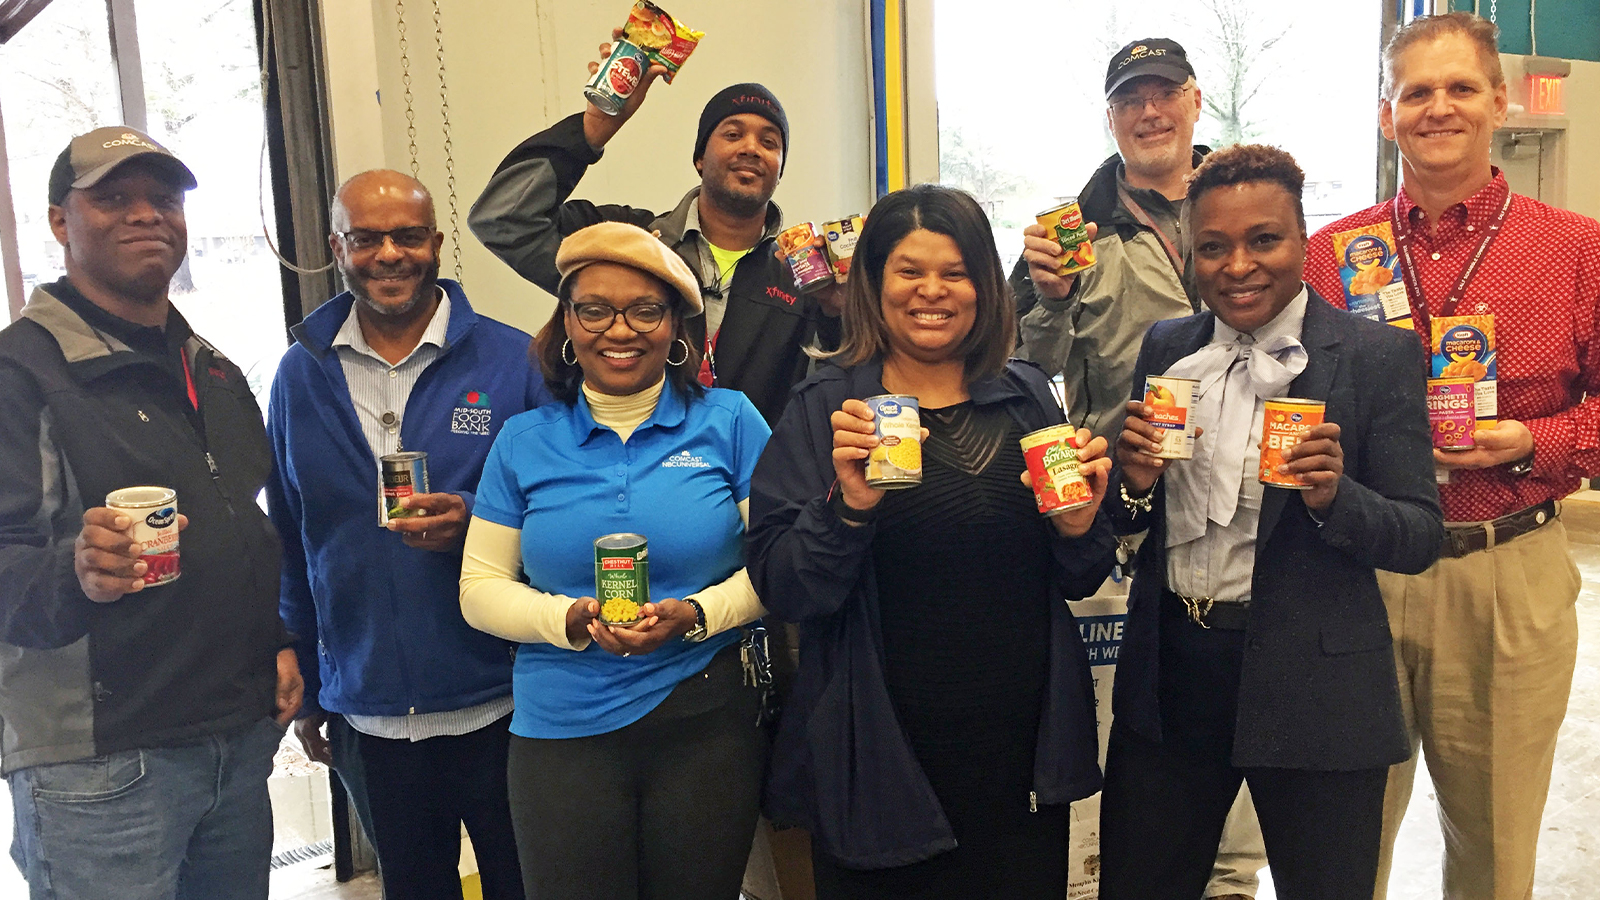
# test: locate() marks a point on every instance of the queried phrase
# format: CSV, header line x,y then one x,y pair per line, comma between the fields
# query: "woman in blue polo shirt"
x,y
636,757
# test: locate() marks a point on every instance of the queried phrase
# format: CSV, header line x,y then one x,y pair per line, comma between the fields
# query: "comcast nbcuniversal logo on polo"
x,y
685,460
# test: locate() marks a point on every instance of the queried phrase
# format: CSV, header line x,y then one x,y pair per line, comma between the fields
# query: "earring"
x,y
685,345
565,346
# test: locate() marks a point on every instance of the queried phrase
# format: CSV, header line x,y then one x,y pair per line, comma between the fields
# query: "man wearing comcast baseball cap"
x,y
141,713
757,323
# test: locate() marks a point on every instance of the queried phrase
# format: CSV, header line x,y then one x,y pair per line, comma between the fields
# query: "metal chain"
x,y
1494,10
405,79
449,157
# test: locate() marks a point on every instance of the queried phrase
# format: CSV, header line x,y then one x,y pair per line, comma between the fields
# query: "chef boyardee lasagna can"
x,y
1051,455
618,78
154,511
404,474
621,577
897,460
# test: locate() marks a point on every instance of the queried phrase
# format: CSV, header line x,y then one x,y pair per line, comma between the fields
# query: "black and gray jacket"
x,y
82,414
1092,336
523,215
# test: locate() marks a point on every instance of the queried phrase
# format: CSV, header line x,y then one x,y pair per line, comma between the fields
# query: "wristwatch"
x,y
1523,466
698,633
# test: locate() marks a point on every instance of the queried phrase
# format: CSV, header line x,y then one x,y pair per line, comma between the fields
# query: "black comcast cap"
x,y
1150,56
91,157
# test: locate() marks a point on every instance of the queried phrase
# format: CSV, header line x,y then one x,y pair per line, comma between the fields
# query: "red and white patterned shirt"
x,y
1541,280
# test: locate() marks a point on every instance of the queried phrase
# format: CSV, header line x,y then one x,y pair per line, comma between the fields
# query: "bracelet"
x,y
849,513
1135,505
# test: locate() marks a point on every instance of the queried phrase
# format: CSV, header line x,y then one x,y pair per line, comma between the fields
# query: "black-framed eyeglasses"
x,y
1165,101
362,240
597,318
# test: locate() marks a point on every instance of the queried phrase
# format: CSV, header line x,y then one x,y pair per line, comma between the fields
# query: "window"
x,y
1022,120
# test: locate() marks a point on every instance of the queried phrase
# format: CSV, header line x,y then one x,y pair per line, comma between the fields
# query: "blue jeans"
x,y
171,823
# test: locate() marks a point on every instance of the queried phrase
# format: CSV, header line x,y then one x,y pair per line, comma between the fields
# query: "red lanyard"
x,y
1145,219
188,377
1408,268
708,363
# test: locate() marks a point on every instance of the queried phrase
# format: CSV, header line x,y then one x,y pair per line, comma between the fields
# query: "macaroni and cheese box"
x,y
1464,347
1369,268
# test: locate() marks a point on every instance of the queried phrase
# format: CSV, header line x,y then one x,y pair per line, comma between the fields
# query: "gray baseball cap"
x,y
91,157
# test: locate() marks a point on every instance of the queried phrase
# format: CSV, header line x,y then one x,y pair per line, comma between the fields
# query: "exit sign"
x,y
1544,95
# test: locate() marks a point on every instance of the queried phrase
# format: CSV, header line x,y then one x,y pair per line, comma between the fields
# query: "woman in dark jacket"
x,y
942,718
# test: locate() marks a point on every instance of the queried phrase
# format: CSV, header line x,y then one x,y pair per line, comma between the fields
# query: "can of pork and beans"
x,y
154,511
621,577
1452,412
619,76
807,262
841,237
897,460
404,474
1170,400
1065,225
1286,419
1052,458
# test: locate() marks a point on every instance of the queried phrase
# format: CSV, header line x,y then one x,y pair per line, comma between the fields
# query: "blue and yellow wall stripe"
x,y
888,94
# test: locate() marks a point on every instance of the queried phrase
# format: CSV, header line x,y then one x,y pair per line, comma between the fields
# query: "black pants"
x,y
420,792
1164,805
662,808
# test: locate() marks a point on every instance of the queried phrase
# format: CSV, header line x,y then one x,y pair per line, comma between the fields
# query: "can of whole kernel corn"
x,y
1064,224
154,511
404,474
621,577
1286,419
1452,412
1170,400
897,460
1052,458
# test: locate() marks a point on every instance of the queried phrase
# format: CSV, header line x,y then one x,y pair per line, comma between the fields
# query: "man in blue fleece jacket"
x,y
416,702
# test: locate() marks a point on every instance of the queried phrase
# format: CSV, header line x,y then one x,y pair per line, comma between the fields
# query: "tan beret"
x,y
632,246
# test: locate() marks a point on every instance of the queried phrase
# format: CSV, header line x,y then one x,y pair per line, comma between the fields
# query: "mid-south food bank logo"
x,y
472,414
685,460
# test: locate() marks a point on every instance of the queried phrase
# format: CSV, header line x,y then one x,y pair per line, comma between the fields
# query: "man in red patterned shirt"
x,y
1486,639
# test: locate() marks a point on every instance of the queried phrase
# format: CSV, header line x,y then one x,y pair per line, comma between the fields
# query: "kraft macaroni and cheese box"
x,y
1464,347
1369,268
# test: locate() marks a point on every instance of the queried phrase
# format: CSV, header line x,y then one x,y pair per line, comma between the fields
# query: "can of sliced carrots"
x,y
1286,419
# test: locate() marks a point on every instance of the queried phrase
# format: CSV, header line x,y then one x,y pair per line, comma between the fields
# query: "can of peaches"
x,y
154,511
1052,458
1285,420
1170,400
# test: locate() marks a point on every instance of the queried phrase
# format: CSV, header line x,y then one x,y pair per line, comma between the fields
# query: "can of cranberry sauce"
x,y
1285,420
618,77
807,262
154,511
1052,458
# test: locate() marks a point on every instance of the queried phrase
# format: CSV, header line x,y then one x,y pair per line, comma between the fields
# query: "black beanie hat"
x,y
741,98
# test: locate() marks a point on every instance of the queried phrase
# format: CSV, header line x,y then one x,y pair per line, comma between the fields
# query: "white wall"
x,y
514,67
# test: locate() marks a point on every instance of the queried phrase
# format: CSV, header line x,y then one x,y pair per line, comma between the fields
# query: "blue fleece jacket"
x,y
378,624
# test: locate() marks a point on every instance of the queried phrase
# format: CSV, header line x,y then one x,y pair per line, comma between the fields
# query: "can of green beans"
x,y
621,577
403,475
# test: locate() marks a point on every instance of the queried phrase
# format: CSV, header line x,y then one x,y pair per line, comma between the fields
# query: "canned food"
x,y
1170,400
1065,224
1286,419
1052,458
621,577
404,474
610,88
807,261
841,237
897,460
154,511
1451,412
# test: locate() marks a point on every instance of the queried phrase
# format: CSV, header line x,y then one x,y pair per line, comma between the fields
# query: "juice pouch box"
x,y
1369,268
1464,347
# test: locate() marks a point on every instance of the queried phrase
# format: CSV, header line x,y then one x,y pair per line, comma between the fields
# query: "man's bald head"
x,y
381,187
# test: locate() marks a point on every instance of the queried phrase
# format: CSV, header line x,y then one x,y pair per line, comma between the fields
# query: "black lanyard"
x,y
1408,269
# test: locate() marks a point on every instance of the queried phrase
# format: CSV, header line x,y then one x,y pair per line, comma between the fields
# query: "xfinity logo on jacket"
x,y
472,414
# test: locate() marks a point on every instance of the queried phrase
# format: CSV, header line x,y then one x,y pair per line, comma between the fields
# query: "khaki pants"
x,y
1485,646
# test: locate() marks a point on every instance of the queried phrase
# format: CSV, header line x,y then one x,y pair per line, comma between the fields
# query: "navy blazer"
x,y
841,765
1318,689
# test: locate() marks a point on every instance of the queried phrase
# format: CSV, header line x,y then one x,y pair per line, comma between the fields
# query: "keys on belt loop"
x,y
1198,608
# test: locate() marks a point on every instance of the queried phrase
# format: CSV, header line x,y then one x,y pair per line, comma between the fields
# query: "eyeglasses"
x,y
363,241
597,318
1165,101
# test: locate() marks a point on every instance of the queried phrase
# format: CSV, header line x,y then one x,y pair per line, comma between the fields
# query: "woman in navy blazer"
x,y
1291,687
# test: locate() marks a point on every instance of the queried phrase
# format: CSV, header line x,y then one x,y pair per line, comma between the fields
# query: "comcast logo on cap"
x,y
128,139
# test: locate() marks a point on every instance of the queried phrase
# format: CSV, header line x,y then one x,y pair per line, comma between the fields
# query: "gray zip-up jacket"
x,y
1091,337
